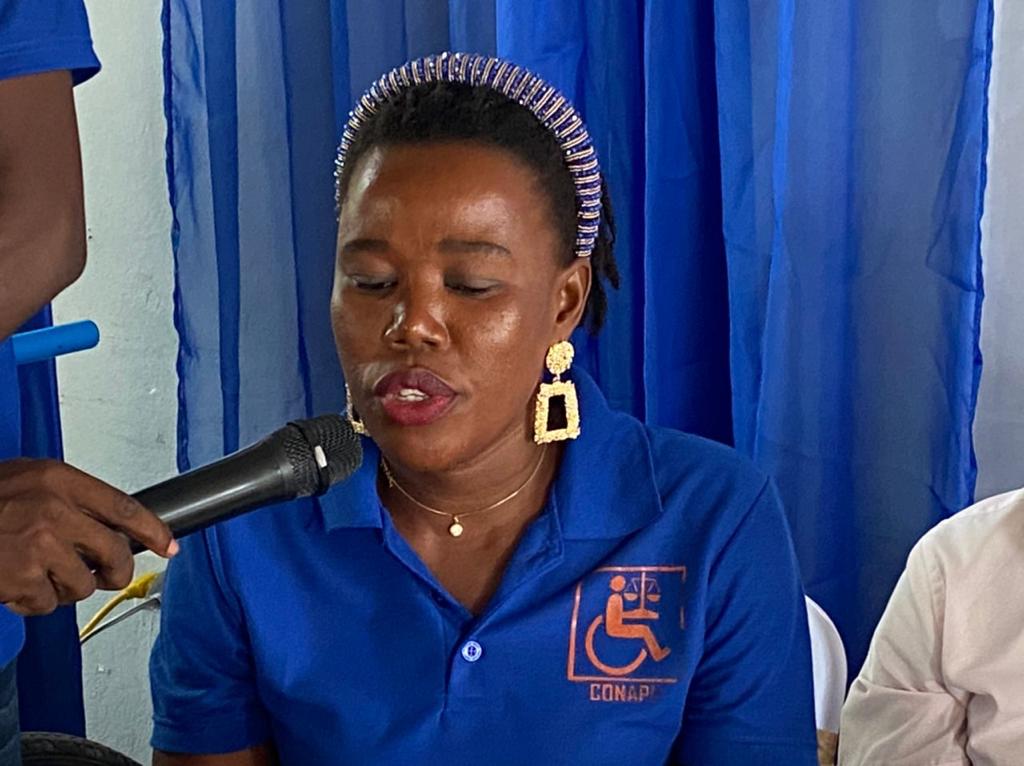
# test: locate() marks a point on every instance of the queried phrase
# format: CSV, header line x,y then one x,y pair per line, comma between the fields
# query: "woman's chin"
x,y
458,439
426,449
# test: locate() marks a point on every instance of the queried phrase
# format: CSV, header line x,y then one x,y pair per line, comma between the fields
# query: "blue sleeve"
x,y
202,675
751,701
43,36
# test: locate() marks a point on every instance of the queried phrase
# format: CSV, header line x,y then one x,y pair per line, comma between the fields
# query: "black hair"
x,y
453,111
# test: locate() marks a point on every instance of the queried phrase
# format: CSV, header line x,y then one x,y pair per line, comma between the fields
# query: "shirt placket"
x,y
473,683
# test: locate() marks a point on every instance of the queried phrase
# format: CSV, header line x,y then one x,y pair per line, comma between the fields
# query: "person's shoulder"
x,y
276,517
702,475
251,534
680,456
987,531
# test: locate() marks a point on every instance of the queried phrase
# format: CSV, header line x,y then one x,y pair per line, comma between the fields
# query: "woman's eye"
x,y
472,288
372,285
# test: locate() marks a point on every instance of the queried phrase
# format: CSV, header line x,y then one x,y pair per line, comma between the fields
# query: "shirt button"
x,y
472,651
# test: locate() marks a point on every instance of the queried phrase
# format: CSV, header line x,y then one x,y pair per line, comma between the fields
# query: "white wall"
x,y
999,426
118,401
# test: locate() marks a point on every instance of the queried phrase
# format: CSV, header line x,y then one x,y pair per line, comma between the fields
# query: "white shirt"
x,y
944,679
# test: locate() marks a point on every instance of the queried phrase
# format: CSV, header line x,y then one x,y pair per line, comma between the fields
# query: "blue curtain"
x,y
50,664
797,189
854,146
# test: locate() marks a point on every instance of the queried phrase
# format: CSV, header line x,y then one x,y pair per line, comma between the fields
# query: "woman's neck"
x,y
514,468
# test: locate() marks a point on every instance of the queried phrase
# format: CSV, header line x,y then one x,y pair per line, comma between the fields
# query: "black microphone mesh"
x,y
341,446
300,455
340,442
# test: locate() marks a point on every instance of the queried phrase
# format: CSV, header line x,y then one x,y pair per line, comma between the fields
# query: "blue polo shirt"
x,y
651,614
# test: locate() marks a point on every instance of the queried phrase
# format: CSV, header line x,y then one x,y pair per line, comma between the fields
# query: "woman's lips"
x,y
414,397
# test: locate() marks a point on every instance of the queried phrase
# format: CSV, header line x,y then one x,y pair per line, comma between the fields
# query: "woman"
x,y
517,574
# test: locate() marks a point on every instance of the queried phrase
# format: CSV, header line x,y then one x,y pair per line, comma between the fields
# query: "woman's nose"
x,y
417,322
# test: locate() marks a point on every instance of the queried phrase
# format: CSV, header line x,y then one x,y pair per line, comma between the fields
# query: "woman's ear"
x,y
573,289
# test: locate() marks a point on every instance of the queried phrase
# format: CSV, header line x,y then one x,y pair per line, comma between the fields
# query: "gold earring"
x,y
546,428
353,416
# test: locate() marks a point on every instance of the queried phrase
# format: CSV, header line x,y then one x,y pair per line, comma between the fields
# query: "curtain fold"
x,y
797,188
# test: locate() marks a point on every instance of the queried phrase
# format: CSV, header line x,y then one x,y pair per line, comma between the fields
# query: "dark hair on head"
x,y
453,111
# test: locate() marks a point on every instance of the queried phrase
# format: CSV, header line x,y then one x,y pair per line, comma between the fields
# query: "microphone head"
x,y
322,451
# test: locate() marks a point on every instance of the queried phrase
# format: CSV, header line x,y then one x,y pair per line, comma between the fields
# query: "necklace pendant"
x,y
455,528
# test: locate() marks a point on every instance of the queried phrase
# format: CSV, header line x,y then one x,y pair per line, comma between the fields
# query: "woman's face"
x,y
449,289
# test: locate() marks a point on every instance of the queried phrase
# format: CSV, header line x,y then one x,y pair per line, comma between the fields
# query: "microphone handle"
x,y
255,476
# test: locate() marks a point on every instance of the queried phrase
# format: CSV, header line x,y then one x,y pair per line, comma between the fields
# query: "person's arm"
x,y
206,704
751,700
899,709
262,755
42,220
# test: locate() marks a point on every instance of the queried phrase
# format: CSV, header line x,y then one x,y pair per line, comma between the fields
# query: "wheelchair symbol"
x,y
646,590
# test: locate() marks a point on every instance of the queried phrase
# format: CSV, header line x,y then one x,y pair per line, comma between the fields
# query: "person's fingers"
x,y
106,552
116,509
56,574
71,579
40,599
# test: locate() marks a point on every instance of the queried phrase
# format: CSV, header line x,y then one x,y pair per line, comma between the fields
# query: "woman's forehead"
x,y
460,183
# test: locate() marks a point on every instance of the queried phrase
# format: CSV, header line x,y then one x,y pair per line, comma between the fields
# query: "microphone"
x,y
302,459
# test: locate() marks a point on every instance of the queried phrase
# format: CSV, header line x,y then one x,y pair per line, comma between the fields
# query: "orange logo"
x,y
624,620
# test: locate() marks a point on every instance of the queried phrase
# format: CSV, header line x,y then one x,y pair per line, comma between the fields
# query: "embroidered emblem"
x,y
624,622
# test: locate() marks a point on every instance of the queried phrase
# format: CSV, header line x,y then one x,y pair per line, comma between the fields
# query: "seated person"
x,y
943,682
517,574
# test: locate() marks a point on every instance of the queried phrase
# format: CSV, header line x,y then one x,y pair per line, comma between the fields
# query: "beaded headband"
x,y
549,106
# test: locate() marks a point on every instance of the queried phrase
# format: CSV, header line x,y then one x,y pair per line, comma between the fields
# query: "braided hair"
x,y
454,111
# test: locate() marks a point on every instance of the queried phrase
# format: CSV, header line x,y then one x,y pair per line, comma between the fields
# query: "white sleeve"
x,y
899,710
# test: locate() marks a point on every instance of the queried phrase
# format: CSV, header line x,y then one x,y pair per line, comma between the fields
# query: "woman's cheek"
x,y
502,347
493,333
354,323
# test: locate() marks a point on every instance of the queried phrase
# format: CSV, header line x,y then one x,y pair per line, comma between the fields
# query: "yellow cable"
x,y
137,588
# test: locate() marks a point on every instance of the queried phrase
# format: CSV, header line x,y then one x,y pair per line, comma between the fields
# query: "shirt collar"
x,y
354,502
605,486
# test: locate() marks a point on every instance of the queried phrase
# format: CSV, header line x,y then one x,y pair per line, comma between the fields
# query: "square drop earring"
x,y
557,417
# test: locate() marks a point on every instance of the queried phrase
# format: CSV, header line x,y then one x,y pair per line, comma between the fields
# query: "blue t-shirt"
x,y
35,36
45,35
651,614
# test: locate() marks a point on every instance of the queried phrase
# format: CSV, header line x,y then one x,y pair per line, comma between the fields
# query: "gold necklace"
x,y
455,529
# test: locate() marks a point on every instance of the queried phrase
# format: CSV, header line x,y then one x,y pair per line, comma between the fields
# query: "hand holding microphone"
x,y
54,518
51,517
